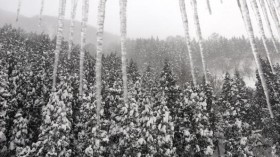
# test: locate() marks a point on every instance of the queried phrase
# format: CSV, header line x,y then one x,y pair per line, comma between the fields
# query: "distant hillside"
x,y
49,24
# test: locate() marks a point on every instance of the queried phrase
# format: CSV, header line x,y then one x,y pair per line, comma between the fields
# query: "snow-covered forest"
x,y
153,98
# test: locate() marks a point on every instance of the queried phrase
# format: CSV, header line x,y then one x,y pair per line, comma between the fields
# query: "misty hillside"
x,y
49,24
222,54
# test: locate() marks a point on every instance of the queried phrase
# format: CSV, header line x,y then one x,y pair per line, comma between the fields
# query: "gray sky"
x,y
148,18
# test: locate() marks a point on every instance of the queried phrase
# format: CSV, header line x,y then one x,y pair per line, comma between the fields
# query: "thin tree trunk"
x,y
277,7
18,10
41,12
72,26
123,19
261,29
200,40
209,7
83,43
268,25
240,9
250,32
58,40
99,50
274,16
187,37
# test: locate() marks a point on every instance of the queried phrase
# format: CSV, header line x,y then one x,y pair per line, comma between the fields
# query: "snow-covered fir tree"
x,y
235,106
4,98
18,145
263,124
54,139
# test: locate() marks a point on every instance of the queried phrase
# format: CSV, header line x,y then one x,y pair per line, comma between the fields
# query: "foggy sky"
x,y
148,18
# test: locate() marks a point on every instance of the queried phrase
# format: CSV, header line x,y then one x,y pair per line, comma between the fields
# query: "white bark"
x,y
99,51
200,39
268,24
41,12
18,10
123,19
187,37
72,26
250,31
83,43
274,16
239,6
261,30
209,6
58,40
277,7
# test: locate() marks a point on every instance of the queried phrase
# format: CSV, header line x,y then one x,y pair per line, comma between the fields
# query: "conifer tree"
x,y
235,108
54,139
261,122
147,124
20,136
4,97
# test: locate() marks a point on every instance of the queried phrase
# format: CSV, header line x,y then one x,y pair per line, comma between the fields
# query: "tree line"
x,y
161,118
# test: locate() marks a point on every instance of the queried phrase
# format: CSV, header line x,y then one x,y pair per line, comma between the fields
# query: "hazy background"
x,y
147,18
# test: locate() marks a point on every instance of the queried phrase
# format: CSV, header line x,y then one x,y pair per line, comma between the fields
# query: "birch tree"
x,y
187,37
83,42
274,15
72,25
261,30
61,14
277,7
250,31
99,51
123,19
268,24
18,10
200,39
209,6
41,12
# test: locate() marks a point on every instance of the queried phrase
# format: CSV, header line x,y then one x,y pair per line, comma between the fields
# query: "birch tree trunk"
x,y
99,50
72,26
187,37
209,7
268,25
277,7
18,10
250,32
41,12
261,29
58,40
200,40
83,43
123,19
274,16
240,9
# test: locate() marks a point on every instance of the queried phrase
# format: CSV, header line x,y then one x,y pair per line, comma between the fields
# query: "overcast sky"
x,y
148,18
